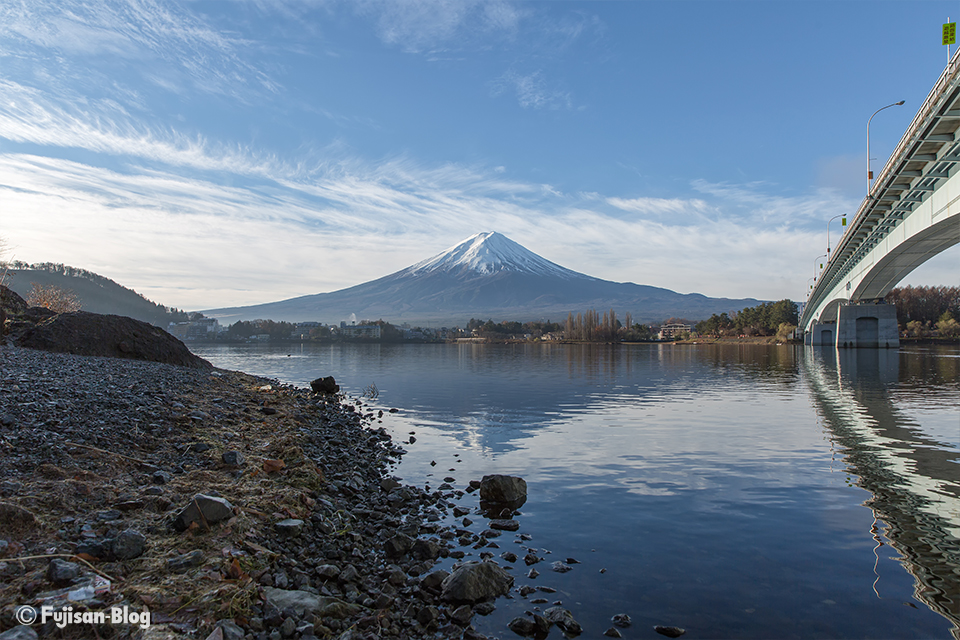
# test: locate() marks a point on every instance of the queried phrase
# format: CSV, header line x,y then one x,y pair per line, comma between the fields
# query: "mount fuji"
x,y
486,276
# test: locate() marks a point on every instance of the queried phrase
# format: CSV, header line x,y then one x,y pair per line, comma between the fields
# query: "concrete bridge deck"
x,y
911,214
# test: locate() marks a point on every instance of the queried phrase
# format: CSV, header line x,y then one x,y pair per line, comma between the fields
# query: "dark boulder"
x,y
500,495
92,334
326,385
475,582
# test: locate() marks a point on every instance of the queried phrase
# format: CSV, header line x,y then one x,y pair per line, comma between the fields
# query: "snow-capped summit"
x,y
487,253
486,276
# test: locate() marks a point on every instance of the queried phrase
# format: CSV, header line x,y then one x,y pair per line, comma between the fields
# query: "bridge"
x,y
911,213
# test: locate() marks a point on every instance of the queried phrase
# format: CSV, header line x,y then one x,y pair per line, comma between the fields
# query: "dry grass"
x,y
224,584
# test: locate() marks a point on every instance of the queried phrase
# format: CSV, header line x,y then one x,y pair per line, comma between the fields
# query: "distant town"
x,y
201,329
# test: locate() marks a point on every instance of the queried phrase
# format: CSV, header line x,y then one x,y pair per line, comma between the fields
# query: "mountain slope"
x,y
96,293
485,276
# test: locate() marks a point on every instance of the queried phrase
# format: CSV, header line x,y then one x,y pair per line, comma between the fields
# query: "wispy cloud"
x,y
170,235
658,207
424,25
68,32
532,90
28,115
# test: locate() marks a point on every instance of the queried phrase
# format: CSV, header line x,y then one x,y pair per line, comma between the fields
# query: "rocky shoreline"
x,y
302,532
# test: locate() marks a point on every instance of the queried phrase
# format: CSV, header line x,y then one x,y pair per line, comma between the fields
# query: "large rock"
x,y
325,385
92,334
476,581
500,494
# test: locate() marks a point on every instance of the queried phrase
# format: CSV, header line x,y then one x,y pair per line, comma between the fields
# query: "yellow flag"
x,y
950,33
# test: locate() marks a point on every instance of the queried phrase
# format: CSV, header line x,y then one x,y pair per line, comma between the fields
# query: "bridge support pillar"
x,y
823,335
870,326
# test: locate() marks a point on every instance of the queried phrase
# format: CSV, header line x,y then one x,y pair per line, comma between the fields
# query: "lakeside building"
x,y
371,331
202,329
671,331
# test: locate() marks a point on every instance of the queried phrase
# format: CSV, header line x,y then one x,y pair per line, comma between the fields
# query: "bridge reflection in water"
x,y
913,478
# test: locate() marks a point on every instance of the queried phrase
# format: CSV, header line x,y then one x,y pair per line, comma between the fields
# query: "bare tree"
x,y
54,298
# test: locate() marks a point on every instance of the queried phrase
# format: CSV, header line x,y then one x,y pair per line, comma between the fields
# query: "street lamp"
x,y
816,273
870,173
843,223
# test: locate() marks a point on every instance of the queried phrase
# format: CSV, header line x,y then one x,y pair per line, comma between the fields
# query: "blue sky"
x,y
236,152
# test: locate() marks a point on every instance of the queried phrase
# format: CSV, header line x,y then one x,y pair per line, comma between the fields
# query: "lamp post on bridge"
x,y
870,173
843,223
816,273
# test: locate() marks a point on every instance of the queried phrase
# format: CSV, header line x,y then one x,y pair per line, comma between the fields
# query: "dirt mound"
x,y
91,334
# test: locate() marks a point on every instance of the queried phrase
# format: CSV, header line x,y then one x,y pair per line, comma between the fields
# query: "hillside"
x,y
96,293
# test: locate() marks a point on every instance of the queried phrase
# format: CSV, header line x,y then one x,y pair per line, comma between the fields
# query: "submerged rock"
x,y
670,632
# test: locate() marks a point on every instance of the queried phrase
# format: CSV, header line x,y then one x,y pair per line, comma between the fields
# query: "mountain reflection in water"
x,y
722,486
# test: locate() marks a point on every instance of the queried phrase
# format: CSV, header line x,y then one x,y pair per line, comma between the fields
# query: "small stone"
x,y
612,633
533,573
509,556
434,579
670,632
397,546
389,484
349,574
184,562
425,550
563,619
129,544
560,567
61,572
289,528
621,620
233,458
230,630
161,477
203,509
531,558
428,616
522,626
462,615
505,525
20,632
109,516
328,571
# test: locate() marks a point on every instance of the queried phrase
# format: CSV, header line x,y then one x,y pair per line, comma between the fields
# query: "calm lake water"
x,y
741,491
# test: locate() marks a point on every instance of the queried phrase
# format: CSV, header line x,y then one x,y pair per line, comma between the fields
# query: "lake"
x,y
735,491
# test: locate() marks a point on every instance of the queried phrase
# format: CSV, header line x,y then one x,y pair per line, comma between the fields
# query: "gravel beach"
x,y
226,506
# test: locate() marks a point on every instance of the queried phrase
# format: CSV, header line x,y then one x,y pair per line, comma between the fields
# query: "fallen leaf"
x,y
272,466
